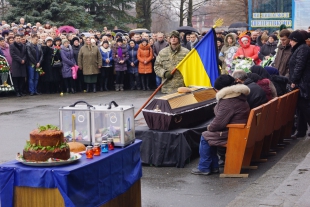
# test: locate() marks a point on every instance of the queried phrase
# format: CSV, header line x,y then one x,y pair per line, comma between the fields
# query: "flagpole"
x,y
153,94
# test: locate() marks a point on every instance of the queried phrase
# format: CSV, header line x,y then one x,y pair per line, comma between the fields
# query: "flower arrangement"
x,y
242,64
4,66
267,62
39,70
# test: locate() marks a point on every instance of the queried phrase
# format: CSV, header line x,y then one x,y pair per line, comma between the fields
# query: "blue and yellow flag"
x,y
200,67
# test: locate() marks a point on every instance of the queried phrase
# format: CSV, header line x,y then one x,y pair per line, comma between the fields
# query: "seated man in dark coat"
x,y
232,108
257,95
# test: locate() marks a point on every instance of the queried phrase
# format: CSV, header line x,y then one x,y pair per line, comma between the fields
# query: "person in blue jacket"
x,y
107,65
132,68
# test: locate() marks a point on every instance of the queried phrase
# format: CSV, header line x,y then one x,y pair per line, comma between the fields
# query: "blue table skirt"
x,y
87,182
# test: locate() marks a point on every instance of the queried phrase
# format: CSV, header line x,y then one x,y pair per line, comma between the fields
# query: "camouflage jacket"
x,y
167,60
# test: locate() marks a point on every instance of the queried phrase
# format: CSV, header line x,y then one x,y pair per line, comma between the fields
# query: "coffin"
x,y
180,110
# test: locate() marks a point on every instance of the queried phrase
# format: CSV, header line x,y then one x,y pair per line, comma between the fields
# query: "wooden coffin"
x,y
180,110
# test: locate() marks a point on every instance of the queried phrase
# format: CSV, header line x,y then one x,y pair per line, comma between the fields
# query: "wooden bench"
x,y
290,114
266,125
269,125
240,144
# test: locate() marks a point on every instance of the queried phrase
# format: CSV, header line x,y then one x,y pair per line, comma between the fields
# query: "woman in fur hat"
x,y
145,57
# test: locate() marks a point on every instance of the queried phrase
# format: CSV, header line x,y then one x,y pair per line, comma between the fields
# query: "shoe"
x,y
37,93
121,87
221,163
31,94
196,171
215,170
18,95
298,135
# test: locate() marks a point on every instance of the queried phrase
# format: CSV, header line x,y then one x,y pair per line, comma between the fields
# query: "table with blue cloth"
x,y
86,182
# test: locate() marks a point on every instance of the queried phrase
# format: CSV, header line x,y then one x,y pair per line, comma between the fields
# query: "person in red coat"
x,y
247,50
145,56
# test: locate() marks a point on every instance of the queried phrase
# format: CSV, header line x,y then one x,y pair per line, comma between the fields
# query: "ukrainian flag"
x,y
200,67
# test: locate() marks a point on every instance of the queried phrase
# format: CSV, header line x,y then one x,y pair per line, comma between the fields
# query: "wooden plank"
x,y
234,175
51,197
250,167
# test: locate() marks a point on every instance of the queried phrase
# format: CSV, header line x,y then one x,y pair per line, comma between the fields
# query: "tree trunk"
x,y
143,10
181,13
190,13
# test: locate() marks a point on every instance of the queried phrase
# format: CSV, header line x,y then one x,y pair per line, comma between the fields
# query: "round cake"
x,y
45,144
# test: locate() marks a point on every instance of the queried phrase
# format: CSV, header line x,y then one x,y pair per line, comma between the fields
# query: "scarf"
x,y
105,49
120,53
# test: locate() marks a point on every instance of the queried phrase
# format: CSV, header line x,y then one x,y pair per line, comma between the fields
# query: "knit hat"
x,y
144,40
119,40
282,26
274,37
223,81
57,39
219,39
105,42
297,37
75,38
244,38
272,70
175,34
48,38
64,41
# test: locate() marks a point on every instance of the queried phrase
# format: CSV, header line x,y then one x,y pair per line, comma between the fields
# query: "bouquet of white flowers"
x,y
242,64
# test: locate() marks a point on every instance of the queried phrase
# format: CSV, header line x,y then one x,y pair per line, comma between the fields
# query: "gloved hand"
x,y
168,75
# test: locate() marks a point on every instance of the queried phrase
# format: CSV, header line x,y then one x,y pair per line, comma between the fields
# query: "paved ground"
x,y
282,181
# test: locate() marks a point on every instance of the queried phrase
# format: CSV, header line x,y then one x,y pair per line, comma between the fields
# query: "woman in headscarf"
x,y
67,63
263,83
90,62
259,70
120,57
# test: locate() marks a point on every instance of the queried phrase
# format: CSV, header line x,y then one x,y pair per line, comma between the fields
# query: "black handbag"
x,y
57,64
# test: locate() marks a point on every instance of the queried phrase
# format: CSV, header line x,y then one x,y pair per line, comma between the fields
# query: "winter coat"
x,y
47,66
90,60
158,46
145,53
279,83
133,52
299,69
120,66
282,59
232,108
268,49
6,53
248,50
67,61
166,61
32,56
223,51
76,50
106,54
257,95
18,53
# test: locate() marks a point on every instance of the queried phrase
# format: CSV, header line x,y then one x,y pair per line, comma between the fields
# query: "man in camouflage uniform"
x,y
167,59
